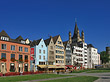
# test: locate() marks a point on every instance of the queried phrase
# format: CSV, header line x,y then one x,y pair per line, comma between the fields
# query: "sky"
x,y
35,19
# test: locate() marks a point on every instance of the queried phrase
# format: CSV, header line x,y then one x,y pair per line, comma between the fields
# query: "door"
x,y
3,68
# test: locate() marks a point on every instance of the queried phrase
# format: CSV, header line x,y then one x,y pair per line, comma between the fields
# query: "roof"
x,y
47,41
90,45
3,33
17,40
75,31
35,42
55,38
65,43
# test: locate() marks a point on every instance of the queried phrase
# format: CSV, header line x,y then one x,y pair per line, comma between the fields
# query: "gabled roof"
x,y
3,33
35,42
90,45
47,41
55,38
19,38
65,43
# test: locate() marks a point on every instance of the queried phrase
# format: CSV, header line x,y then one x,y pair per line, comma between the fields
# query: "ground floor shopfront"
x,y
51,68
13,67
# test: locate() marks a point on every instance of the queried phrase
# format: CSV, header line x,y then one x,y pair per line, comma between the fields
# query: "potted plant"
x,y
13,59
26,60
3,59
20,60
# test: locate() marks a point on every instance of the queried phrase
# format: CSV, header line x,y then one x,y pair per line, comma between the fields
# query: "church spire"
x,y
76,35
76,30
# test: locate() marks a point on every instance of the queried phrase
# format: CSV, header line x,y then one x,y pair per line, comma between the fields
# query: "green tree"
x,y
104,57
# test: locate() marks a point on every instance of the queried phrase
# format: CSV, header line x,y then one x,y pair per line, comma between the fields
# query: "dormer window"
x,y
4,38
23,42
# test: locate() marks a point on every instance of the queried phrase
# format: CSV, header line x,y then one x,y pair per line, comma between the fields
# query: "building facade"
x,y
50,51
79,48
93,56
14,54
68,53
79,55
59,51
40,53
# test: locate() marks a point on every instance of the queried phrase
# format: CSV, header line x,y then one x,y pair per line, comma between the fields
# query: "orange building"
x,y
14,54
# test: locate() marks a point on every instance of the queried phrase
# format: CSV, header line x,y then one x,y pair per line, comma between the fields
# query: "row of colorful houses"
x,y
52,54
49,52
19,55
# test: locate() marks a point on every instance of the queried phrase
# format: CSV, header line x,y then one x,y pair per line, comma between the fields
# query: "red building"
x,y
14,54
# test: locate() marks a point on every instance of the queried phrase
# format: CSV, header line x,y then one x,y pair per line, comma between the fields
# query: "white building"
x,y
93,56
79,48
79,54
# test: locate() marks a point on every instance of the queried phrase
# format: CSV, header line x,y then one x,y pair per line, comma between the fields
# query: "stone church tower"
x,y
76,36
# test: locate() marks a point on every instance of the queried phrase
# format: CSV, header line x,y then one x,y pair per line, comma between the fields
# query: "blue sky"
x,y
36,19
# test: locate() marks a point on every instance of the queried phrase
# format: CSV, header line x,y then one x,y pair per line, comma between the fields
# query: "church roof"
x,y
75,31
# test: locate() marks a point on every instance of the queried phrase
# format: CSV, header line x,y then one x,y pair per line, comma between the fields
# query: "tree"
x,y
104,57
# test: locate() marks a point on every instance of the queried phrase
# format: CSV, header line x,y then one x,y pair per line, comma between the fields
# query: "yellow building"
x,y
59,51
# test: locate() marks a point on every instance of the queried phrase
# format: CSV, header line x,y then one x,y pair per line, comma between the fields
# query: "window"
x,y
39,57
44,51
26,49
59,42
12,56
20,48
51,47
20,57
26,58
12,47
56,61
41,63
39,51
3,46
5,38
3,55
51,52
44,57
85,45
42,46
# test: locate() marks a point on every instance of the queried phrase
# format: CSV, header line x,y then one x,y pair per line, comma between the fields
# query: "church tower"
x,y
82,35
76,35
70,41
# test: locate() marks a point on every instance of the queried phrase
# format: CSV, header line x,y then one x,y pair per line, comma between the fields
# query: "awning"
x,y
70,66
42,66
60,66
51,66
